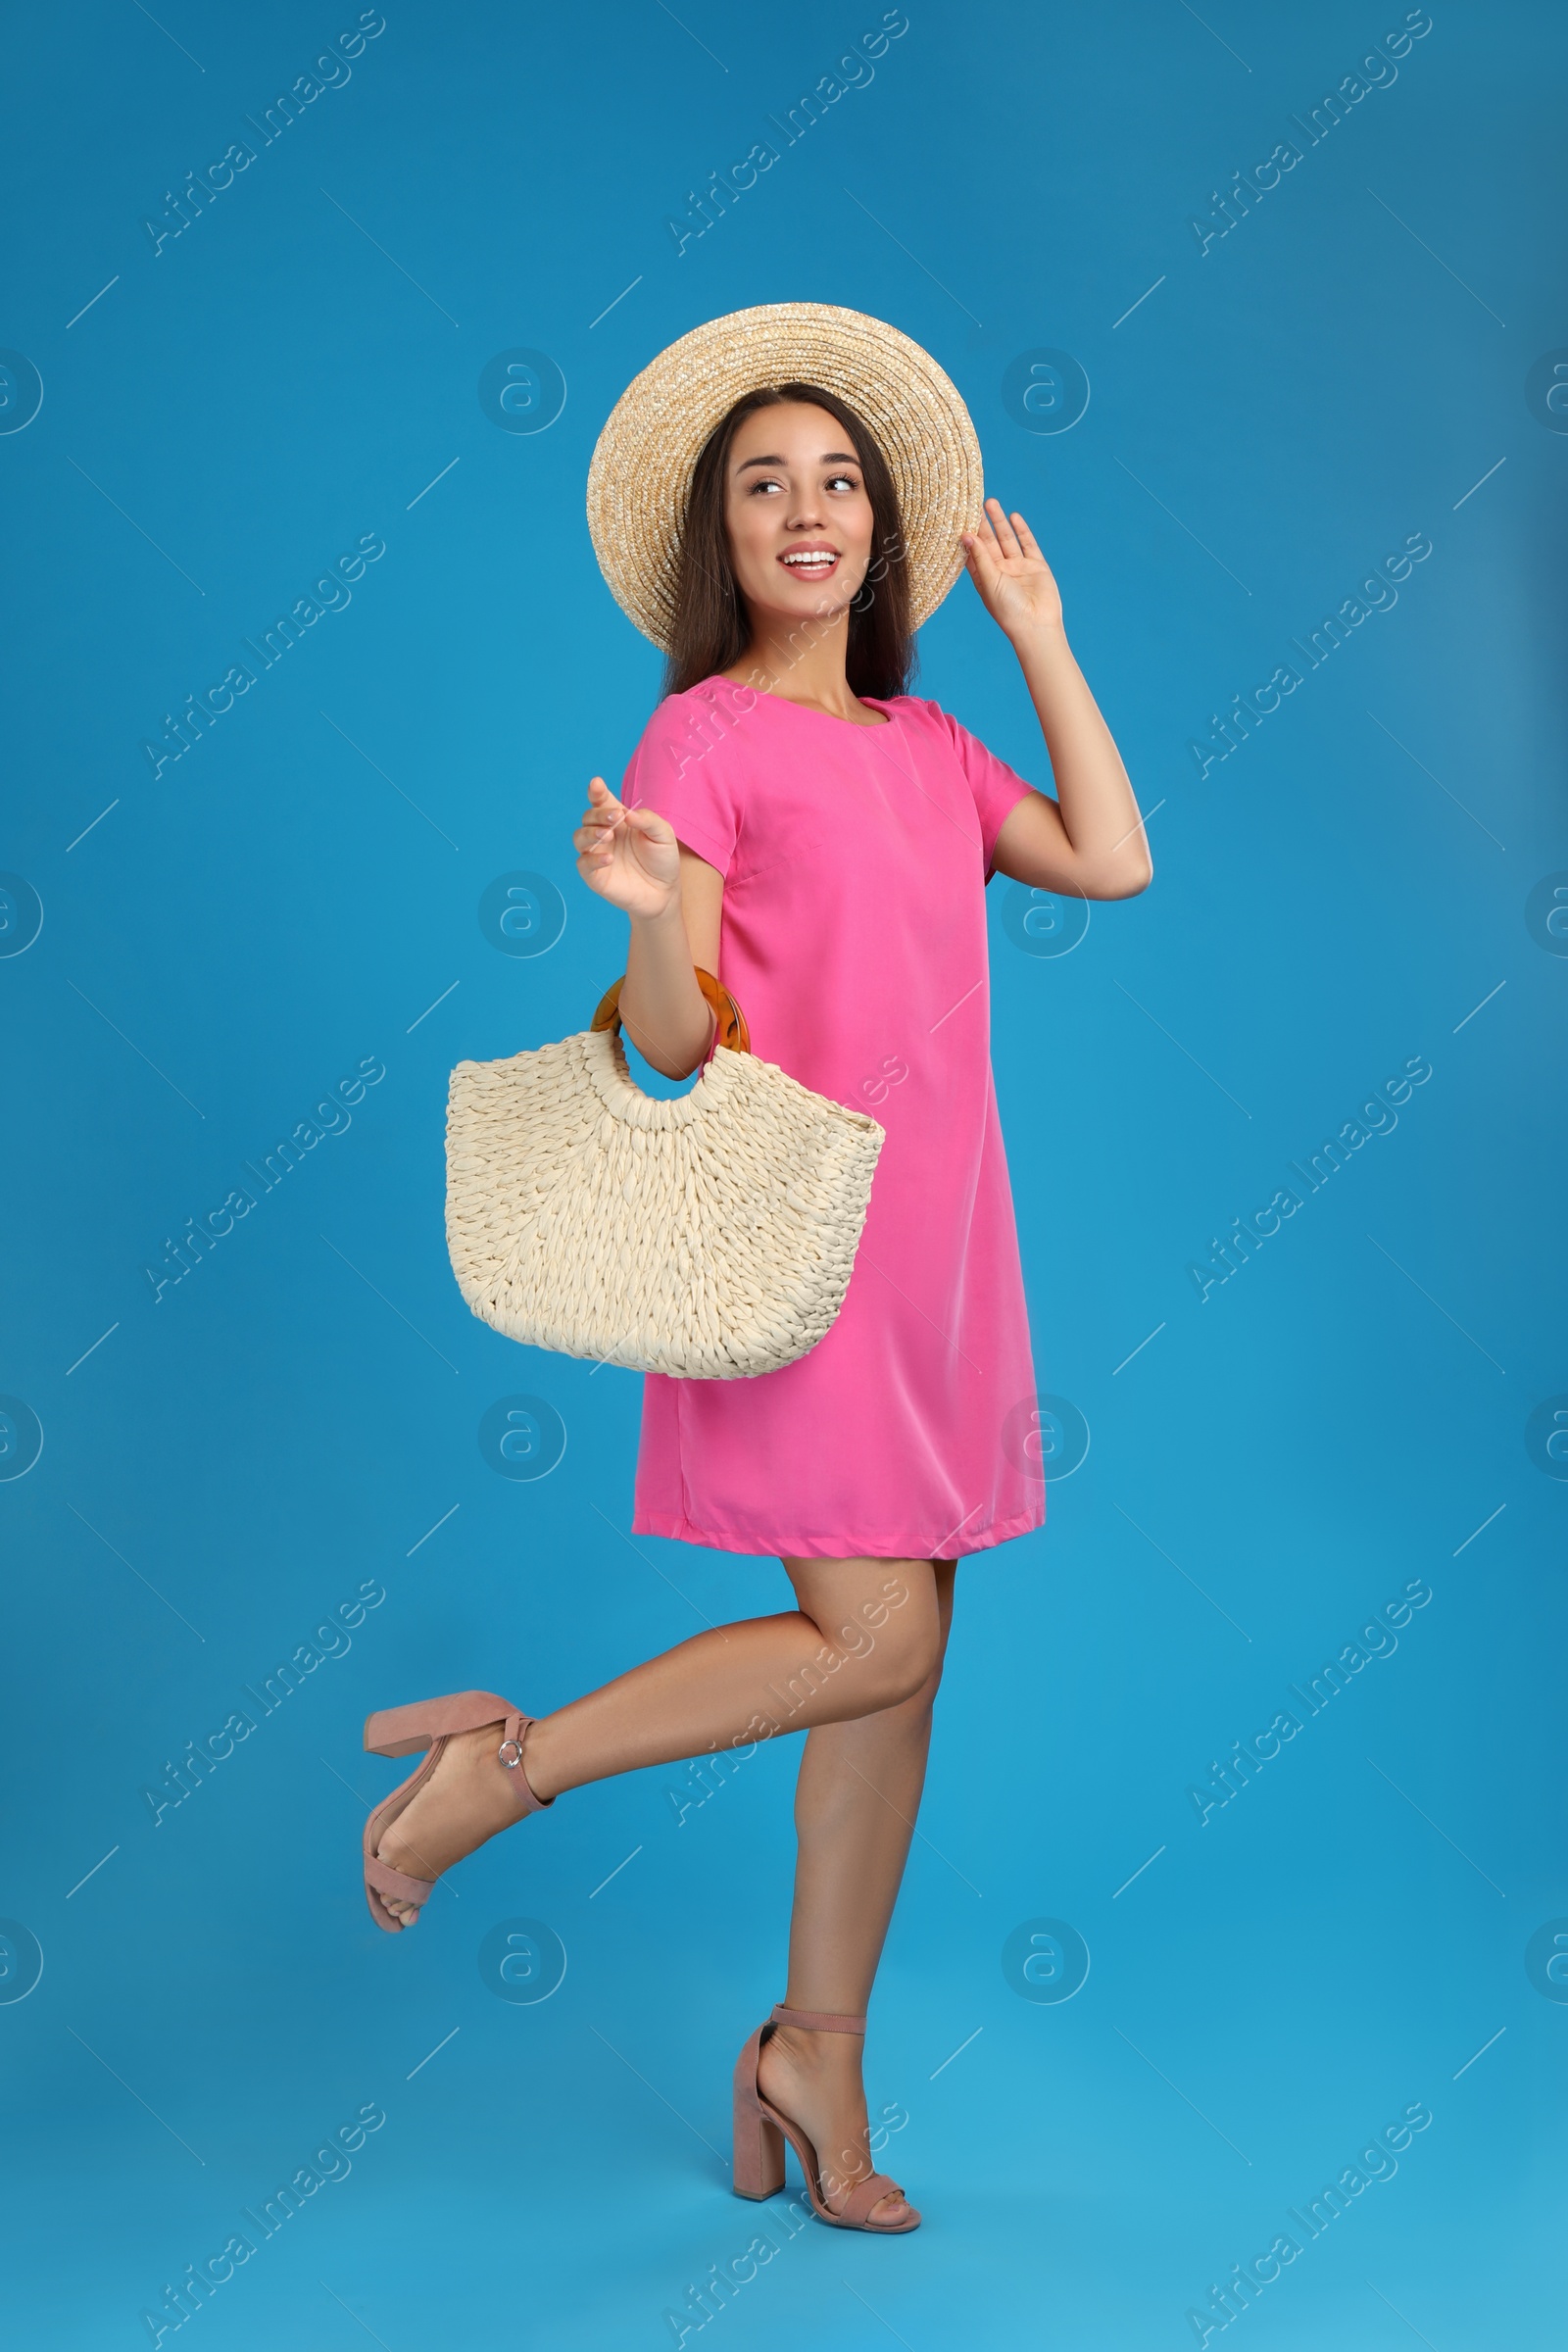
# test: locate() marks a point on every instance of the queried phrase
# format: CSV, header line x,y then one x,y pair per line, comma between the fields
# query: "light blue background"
x,y
226,419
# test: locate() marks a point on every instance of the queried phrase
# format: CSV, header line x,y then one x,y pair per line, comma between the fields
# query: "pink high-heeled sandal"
x,y
760,2131
430,1723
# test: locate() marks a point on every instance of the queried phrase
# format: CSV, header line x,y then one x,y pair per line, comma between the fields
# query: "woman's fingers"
x,y
1006,537
982,557
1026,539
613,859
1012,538
610,832
595,837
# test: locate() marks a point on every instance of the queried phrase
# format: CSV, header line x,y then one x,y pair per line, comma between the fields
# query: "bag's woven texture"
x,y
710,1235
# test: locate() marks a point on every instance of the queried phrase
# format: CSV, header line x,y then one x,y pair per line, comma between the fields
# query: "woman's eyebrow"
x,y
834,457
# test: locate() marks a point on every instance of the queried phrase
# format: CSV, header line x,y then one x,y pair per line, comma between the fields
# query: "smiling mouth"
x,y
810,562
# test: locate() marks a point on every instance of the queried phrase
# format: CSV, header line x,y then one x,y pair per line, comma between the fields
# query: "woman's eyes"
x,y
835,481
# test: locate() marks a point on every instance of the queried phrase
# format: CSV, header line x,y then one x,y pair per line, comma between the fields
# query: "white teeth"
x,y
812,562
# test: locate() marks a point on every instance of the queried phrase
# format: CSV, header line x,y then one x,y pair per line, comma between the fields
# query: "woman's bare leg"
x,y
856,1803
863,1640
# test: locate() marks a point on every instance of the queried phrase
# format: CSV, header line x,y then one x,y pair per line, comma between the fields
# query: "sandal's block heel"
x,y
403,1731
758,2166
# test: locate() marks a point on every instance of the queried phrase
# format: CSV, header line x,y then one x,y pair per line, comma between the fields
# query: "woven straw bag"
x,y
710,1235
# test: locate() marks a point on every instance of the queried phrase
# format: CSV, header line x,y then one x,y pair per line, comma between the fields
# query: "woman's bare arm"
x,y
674,902
1089,840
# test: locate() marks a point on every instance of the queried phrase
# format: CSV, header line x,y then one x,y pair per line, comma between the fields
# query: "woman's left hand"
x,y
1016,584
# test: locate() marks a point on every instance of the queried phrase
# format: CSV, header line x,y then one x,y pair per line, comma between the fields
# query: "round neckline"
x,y
872,701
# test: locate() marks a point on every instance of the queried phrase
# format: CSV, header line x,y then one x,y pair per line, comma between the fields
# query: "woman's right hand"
x,y
631,857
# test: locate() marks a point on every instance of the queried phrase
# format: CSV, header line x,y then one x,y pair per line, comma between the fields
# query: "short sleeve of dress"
x,y
997,788
681,769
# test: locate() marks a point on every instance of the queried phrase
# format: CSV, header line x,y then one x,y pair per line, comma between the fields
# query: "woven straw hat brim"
x,y
640,472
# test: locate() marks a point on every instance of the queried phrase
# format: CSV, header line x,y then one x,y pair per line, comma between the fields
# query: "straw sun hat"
x,y
642,466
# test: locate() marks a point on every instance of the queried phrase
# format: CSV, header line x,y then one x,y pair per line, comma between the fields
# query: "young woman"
x,y
778,500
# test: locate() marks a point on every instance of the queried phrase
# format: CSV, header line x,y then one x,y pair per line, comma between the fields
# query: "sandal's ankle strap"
x,y
522,1787
816,2020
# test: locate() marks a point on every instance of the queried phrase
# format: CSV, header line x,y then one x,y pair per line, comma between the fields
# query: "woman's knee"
x,y
884,1622
905,1655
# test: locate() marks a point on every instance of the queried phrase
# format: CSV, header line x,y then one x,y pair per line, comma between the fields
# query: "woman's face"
x,y
796,508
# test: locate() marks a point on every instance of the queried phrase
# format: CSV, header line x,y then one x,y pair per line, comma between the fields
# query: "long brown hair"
x,y
712,630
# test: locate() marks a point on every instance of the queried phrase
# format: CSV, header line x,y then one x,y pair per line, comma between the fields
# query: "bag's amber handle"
x,y
733,1030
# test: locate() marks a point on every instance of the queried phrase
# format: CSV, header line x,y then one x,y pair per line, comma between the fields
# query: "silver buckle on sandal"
x,y
513,1762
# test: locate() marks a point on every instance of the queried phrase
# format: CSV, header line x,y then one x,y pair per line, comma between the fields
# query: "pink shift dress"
x,y
854,938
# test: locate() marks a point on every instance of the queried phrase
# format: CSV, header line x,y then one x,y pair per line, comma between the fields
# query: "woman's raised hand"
x,y
1016,584
629,856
